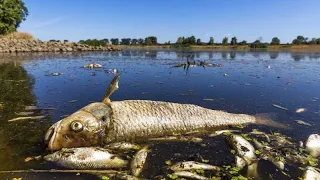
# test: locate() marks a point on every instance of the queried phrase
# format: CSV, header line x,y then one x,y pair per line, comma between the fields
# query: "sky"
x,y
168,19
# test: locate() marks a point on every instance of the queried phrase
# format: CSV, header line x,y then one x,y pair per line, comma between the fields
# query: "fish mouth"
x,y
51,135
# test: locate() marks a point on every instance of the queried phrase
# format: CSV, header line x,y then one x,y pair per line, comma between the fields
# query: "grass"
x,y
17,35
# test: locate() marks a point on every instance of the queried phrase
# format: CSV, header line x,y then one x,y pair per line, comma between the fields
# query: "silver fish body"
x,y
190,175
243,148
138,161
190,165
313,145
86,158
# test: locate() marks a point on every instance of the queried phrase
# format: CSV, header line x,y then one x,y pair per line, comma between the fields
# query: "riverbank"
x,y
228,47
8,45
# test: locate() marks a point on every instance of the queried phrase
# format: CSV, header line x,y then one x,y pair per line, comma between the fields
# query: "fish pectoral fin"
x,y
113,86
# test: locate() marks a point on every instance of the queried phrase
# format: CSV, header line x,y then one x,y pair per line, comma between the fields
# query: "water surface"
x,y
247,82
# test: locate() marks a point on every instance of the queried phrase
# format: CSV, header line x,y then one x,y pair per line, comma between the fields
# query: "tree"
x,y
106,41
300,40
114,41
179,40
198,41
151,40
244,42
211,41
125,41
140,41
275,41
225,41
134,41
233,41
12,13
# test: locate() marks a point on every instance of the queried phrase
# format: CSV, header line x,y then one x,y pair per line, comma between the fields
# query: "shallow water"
x,y
254,81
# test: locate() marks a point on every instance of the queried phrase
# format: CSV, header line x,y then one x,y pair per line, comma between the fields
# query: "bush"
x,y
18,35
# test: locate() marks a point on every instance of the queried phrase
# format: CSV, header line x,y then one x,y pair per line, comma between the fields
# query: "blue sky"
x,y
168,19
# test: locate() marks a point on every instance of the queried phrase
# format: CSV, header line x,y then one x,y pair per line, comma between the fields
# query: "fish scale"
x,y
142,118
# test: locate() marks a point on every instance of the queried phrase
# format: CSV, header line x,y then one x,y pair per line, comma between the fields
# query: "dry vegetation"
x,y
18,35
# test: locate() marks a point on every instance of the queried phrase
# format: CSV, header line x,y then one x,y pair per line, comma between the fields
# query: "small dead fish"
x,y
243,148
26,118
279,107
86,158
228,131
93,65
72,101
302,122
313,145
207,99
29,108
178,139
191,165
311,174
190,175
54,74
138,161
24,113
122,146
301,110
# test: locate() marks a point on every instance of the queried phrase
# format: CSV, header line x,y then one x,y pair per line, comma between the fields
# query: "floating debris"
x,y
138,161
72,101
29,108
302,122
225,74
313,145
93,73
93,65
301,110
279,107
190,175
24,113
208,99
54,74
192,165
26,118
86,158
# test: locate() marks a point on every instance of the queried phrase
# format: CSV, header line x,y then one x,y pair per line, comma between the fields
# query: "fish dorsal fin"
x,y
114,85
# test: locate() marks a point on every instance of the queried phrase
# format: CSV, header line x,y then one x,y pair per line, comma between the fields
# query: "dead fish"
x,y
138,161
275,161
29,108
24,113
54,74
208,99
279,107
131,120
228,131
313,145
122,146
178,139
311,174
191,165
190,175
302,122
243,148
301,110
93,65
86,158
26,118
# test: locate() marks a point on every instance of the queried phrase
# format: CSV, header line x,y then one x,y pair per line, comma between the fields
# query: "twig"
x,y
61,171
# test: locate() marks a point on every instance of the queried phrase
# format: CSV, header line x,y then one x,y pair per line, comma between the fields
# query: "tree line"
x,y
192,40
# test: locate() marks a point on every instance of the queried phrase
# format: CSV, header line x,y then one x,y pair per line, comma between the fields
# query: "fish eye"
x,y
76,126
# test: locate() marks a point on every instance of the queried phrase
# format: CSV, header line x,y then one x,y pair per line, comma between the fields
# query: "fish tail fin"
x,y
268,119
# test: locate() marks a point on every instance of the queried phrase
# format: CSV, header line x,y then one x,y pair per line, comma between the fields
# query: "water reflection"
x,y
274,54
21,138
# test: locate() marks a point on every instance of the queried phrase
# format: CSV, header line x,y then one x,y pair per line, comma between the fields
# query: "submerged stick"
x,y
61,171
26,118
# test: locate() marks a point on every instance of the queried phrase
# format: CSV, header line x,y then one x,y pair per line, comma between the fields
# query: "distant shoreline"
x,y
226,47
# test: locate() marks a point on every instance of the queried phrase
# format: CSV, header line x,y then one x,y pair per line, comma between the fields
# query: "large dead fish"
x,y
105,122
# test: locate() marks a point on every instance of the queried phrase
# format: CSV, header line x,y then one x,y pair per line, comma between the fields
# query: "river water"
x,y
248,82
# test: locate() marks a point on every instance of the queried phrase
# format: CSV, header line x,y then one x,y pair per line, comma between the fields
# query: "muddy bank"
x,y
22,45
